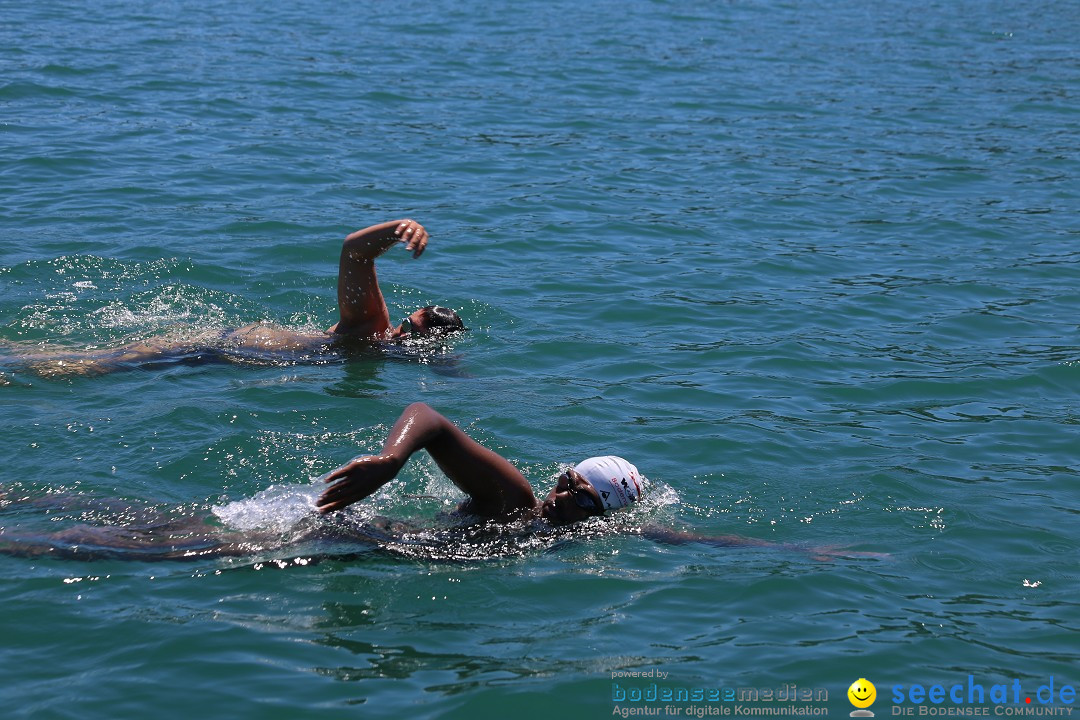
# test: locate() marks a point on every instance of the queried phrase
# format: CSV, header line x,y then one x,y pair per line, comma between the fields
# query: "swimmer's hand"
x,y
356,480
413,235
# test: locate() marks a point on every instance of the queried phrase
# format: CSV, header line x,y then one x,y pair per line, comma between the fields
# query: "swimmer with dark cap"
x,y
363,312
363,315
496,488
362,309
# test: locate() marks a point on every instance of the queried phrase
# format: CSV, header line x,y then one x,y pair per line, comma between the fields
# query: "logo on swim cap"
x,y
618,481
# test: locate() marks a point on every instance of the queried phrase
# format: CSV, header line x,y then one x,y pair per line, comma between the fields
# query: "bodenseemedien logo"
x,y
862,694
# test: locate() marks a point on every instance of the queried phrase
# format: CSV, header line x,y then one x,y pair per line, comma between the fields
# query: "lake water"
x,y
812,266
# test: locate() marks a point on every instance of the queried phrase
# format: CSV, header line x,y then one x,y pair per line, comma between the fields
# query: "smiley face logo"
x,y
862,693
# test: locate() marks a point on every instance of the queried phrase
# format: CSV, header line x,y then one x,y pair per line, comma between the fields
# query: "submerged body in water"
x,y
132,531
260,343
254,344
112,529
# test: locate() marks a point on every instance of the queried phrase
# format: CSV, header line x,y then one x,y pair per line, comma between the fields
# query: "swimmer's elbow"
x,y
418,407
422,416
358,248
369,242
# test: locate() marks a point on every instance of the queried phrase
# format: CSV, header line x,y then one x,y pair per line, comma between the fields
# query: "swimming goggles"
x,y
584,500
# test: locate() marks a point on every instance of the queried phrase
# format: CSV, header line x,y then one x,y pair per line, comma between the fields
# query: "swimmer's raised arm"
x,y
361,304
495,487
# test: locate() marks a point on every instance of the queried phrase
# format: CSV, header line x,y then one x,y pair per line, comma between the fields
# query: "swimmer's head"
x,y
615,479
429,320
593,487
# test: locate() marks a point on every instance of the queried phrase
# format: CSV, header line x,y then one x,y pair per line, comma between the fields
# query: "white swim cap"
x,y
617,480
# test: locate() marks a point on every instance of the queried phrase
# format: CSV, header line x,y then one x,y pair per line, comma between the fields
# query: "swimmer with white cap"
x,y
495,487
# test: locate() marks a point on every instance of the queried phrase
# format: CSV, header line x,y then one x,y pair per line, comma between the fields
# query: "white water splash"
x,y
278,508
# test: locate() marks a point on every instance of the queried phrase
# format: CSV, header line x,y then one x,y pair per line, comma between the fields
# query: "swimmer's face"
x,y
572,499
415,324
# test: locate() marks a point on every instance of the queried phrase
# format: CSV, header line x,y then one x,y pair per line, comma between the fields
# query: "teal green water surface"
x,y
812,266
